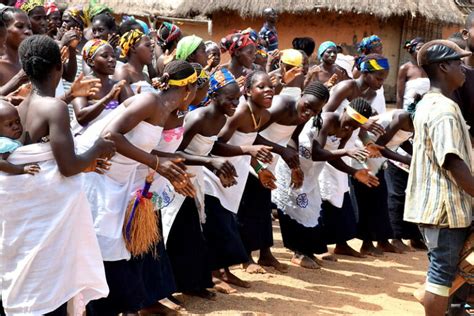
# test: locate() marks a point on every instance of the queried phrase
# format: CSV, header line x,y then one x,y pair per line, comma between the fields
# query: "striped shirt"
x,y
433,197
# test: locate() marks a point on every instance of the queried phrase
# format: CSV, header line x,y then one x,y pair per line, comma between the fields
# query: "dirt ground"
x,y
351,286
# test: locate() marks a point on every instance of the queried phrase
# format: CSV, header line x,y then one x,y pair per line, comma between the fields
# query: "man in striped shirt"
x,y
440,184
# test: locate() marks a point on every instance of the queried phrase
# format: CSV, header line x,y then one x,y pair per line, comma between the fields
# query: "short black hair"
x,y
129,25
305,44
39,54
318,90
107,19
178,69
250,78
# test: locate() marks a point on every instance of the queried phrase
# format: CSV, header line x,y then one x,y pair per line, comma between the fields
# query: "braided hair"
x,y
39,54
318,90
175,70
362,106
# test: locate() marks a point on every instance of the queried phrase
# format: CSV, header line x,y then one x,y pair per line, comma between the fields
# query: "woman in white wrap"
x,y
136,129
412,79
49,251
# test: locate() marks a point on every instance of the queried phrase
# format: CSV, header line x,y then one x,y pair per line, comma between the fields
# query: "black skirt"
x,y
397,180
298,238
339,224
374,222
187,250
135,284
222,236
255,216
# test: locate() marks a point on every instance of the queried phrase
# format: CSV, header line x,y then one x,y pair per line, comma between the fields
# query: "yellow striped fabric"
x,y
433,197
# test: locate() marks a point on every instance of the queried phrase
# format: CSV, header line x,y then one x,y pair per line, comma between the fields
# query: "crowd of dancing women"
x,y
135,163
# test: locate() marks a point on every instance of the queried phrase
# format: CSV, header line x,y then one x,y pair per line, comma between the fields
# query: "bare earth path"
x,y
370,286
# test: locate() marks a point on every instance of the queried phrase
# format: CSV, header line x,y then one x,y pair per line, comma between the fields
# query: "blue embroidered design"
x,y
305,152
302,200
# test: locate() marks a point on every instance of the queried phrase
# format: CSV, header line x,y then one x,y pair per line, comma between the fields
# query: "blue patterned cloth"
x,y
8,145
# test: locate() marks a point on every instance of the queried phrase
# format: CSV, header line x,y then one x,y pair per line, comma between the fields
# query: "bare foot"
x,y
345,249
223,287
163,307
203,293
418,244
368,249
305,262
328,257
388,247
253,268
419,294
268,260
400,245
231,278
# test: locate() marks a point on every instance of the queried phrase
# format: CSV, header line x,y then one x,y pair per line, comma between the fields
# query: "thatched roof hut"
x,y
434,10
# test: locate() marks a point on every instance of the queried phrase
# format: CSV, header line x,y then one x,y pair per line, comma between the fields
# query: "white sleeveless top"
x,y
412,88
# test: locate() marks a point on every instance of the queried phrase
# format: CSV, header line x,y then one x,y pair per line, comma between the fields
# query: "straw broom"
x,y
140,228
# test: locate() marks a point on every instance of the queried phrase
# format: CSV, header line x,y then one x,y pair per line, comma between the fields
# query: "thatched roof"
x,y
435,10
466,6
439,10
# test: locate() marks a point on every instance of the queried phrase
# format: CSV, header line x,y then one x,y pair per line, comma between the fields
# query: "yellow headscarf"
x,y
128,40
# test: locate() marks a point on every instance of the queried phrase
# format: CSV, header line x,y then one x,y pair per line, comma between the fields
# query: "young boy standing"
x,y
440,184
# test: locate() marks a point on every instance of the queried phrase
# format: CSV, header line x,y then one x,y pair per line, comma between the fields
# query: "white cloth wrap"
x,y
303,204
110,193
279,134
200,146
230,197
48,247
412,88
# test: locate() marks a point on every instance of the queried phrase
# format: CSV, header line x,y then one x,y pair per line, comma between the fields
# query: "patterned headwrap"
x,y
262,51
143,25
220,79
91,48
410,46
128,40
236,41
186,46
28,5
77,15
50,7
252,33
324,47
368,43
95,8
374,62
174,32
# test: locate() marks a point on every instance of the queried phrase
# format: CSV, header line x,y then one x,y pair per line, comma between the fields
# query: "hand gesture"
x,y
85,87
105,146
374,150
223,167
332,81
31,169
359,154
261,152
291,157
115,91
64,51
374,128
174,170
289,76
297,178
240,81
267,179
366,178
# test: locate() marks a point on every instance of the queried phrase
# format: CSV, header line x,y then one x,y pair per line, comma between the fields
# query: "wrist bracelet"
x,y
258,168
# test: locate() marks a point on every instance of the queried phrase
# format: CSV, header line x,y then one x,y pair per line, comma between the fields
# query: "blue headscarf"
x,y
374,62
368,43
220,79
323,47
